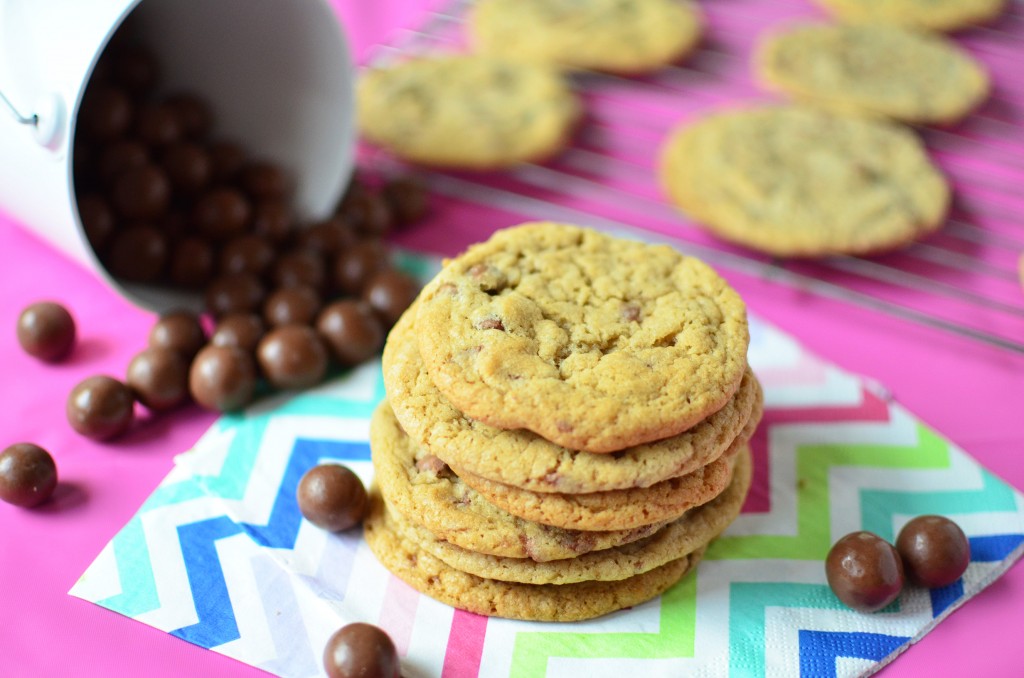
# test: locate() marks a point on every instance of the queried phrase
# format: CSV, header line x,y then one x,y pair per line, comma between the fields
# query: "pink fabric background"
x,y
968,392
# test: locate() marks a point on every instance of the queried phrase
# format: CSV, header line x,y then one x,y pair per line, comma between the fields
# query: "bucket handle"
x,y
18,116
47,126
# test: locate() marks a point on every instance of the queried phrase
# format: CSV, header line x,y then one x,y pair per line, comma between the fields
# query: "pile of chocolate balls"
x,y
165,202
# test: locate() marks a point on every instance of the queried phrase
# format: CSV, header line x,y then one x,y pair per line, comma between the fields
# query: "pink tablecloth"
x,y
968,392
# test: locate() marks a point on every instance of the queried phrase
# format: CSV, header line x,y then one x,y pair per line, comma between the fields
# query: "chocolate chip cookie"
x,y
616,36
900,73
422,489
614,509
796,181
466,111
593,342
524,459
694,530
936,15
543,602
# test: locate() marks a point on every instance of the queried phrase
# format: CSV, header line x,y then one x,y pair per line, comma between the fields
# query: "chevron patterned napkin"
x,y
220,556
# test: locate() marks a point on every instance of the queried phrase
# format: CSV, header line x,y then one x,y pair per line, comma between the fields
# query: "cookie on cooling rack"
x,y
796,181
614,36
466,111
936,15
898,72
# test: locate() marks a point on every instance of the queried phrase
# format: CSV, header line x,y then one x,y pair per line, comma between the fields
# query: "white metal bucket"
x,y
278,75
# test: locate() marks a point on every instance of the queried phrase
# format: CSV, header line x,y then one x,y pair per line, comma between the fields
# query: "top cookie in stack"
x,y
559,397
594,343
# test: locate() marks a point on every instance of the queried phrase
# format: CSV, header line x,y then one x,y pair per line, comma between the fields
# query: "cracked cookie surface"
x,y
423,490
466,111
694,530
522,458
795,181
936,15
901,73
593,342
536,602
617,36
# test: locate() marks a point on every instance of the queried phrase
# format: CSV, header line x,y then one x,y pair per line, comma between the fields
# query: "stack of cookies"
x,y
566,425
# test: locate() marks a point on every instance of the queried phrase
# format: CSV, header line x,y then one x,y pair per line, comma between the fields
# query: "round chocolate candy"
x,y
46,331
355,191
407,197
296,305
178,331
369,214
157,125
264,181
328,237
187,165
241,330
354,265
100,407
359,650
351,331
292,357
300,268
194,115
222,378
227,159
864,571
234,293
191,264
141,192
28,475
273,220
247,253
389,293
98,220
121,156
222,213
934,549
106,112
332,497
138,253
159,378
175,223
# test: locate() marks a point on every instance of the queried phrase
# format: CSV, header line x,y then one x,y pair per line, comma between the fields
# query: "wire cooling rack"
x,y
963,280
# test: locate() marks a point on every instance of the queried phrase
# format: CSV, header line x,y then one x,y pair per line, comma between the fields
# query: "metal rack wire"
x,y
963,280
